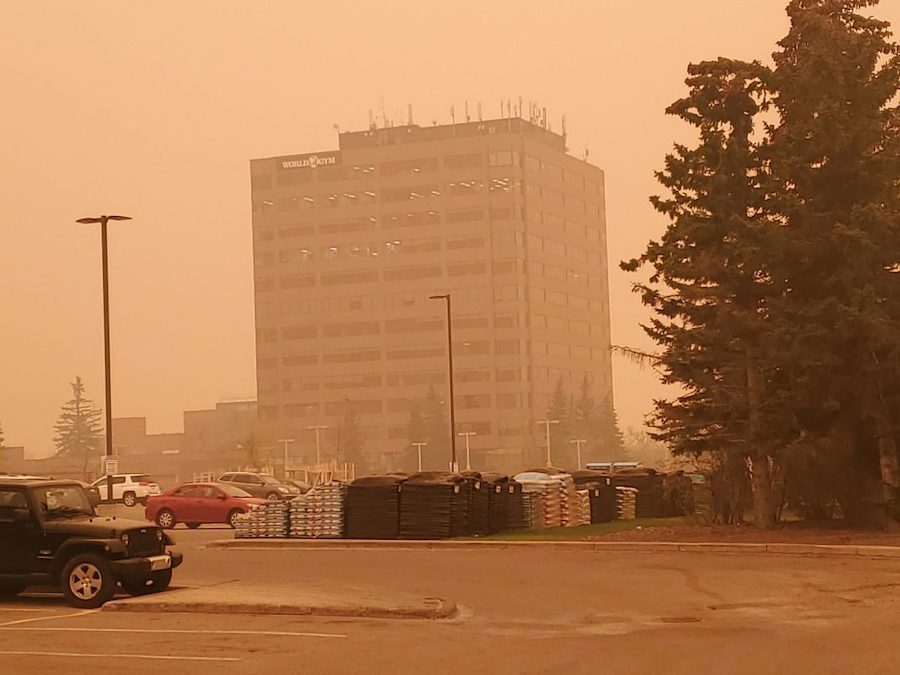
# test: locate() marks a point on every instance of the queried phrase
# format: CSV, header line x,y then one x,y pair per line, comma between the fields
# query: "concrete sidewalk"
x,y
305,600
571,546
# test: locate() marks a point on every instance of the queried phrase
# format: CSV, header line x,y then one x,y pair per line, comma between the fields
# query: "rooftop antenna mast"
x,y
372,124
409,114
479,111
468,119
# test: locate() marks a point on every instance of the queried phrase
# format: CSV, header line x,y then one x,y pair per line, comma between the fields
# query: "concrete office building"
x,y
350,243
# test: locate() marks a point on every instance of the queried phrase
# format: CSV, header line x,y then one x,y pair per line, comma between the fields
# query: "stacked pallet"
x,y
319,513
650,486
434,505
604,503
550,493
498,501
568,500
268,520
516,516
626,499
584,507
532,509
479,503
372,507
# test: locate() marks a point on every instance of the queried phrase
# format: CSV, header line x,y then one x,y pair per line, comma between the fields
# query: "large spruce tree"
x,y
79,432
834,158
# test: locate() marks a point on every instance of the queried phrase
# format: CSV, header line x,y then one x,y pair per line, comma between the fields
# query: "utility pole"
x,y
419,445
454,465
578,443
318,442
103,220
468,458
547,423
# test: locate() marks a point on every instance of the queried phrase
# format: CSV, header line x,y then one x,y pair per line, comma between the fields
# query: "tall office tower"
x,y
350,244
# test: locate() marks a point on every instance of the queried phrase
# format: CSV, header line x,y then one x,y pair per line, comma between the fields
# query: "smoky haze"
x,y
112,108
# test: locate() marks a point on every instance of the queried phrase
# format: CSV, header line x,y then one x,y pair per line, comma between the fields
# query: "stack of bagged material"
x,y
584,508
434,505
604,503
550,514
498,501
319,513
568,500
479,503
650,486
626,498
372,507
532,509
267,520
516,517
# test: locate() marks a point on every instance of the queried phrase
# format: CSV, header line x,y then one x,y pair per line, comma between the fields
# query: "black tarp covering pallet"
x,y
515,506
434,505
649,484
479,503
372,507
603,503
498,501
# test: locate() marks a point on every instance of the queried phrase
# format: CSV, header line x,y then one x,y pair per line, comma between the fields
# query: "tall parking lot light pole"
x,y
547,423
467,434
578,443
419,446
454,466
103,220
286,442
318,442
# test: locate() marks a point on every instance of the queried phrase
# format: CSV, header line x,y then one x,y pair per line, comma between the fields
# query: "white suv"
x,y
128,488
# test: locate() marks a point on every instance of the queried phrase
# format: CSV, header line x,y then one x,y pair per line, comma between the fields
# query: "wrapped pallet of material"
x,y
516,517
604,503
497,502
532,509
372,507
434,505
479,503
626,498
319,513
584,507
269,520
548,489
650,486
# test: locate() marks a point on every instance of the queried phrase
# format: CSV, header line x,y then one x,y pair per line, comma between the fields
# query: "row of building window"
x,y
424,165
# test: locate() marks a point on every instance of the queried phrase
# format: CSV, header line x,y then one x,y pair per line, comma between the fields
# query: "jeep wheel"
x,y
193,526
157,582
9,589
88,581
129,499
165,519
233,517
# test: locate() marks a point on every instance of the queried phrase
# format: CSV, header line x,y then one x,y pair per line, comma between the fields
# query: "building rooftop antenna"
x,y
479,111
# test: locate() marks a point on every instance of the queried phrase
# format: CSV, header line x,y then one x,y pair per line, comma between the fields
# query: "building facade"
x,y
350,244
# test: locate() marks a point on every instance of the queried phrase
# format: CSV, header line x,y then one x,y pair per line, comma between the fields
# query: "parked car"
x,y
128,488
260,485
198,503
301,485
52,536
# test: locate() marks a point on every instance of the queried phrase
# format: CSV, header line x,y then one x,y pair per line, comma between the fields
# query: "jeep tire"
x,y
129,499
87,581
157,582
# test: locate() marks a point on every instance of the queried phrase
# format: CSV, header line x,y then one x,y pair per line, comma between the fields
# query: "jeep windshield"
x,y
63,501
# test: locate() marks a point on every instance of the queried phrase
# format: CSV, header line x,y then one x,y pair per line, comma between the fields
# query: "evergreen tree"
x,y
436,428
835,181
560,409
711,281
611,439
79,432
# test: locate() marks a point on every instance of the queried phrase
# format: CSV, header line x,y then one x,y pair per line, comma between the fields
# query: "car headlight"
x,y
126,539
159,535
282,489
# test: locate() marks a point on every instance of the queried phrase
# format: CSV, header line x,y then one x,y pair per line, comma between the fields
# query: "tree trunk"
x,y
887,461
763,495
764,505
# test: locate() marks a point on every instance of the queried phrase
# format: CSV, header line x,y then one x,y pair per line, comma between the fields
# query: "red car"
x,y
196,503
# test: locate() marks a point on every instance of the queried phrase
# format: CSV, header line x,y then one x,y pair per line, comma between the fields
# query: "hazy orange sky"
x,y
154,111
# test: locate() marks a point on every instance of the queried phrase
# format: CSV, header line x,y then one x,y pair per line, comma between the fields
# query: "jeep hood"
x,y
98,526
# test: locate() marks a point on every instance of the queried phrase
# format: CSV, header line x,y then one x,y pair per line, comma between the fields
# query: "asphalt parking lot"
x,y
528,611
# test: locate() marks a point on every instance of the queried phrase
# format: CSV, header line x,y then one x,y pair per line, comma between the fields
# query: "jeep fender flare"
x,y
108,548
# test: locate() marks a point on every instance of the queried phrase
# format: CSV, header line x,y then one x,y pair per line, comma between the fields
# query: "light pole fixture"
x,y
547,423
419,446
103,220
318,442
578,443
286,442
454,466
467,434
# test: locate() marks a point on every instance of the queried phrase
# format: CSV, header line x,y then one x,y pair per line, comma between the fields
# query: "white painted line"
x,y
149,657
49,617
24,609
177,631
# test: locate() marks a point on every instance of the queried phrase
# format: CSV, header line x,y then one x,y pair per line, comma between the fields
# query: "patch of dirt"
x,y
747,534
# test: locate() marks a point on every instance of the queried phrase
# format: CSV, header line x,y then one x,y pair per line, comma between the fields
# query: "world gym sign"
x,y
309,161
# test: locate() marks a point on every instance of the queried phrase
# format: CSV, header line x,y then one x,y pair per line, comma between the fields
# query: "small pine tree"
x,y
560,409
349,446
437,430
78,429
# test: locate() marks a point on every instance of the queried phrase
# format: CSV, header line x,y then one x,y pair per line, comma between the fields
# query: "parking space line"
x,y
24,609
152,631
48,618
97,655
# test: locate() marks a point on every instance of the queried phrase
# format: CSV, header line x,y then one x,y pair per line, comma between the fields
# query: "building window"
x,y
469,242
409,167
464,188
399,194
462,161
503,158
299,332
352,356
406,273
465,215
461,269
351,328
337,279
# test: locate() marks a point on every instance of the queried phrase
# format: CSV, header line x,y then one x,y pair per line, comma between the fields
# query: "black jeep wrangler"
x,y
51,535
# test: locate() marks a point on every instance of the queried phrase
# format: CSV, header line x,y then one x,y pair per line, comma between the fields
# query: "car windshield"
x,y
233,491
268,480
63,501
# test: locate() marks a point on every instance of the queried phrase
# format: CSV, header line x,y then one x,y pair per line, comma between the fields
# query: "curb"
x,y
841,550
434,609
